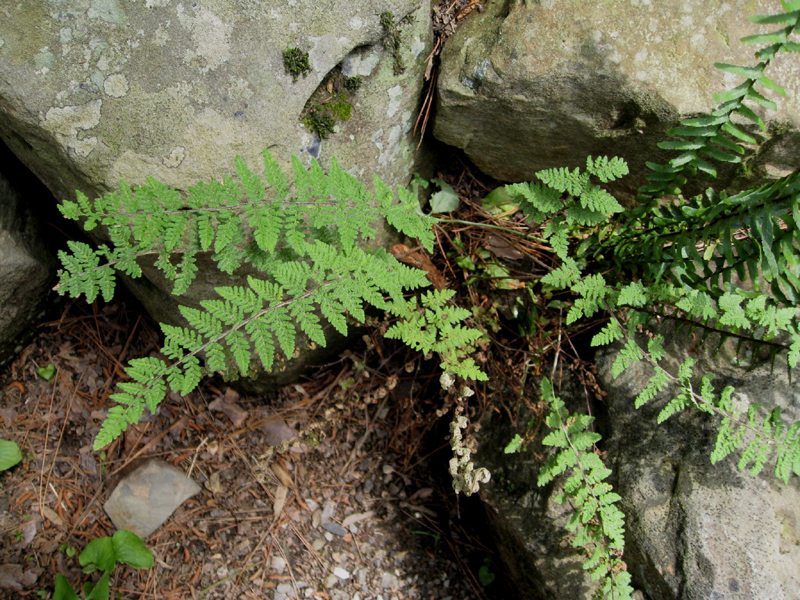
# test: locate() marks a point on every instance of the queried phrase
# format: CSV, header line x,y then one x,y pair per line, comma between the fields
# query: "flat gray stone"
x,y
334,528
145,498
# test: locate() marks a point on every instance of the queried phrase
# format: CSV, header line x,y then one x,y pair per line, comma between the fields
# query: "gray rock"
x,y
176,90
146,497
697,530
27,269
334,528
532,85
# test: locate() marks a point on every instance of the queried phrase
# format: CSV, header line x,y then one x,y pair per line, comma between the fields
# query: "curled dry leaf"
x,y
228,405
418,260
280,501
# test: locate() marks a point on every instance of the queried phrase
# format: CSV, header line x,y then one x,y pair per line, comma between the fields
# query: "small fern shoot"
x,y
596,522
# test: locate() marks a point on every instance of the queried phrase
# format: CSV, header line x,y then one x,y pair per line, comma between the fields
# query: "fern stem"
x,y
516,232
724,332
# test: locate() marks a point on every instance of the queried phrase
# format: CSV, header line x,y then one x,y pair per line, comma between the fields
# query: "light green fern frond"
x,y
223,216
437,327
597,523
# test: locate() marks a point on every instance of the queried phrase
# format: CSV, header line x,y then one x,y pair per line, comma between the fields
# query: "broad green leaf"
x,y
98,555
100,591
47,373
10,454
63,590
131,550
445,200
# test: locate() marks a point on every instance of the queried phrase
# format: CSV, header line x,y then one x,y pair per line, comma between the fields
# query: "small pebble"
x,y
328,511
334,528
388,580
318,544
341,573
330,581
278,564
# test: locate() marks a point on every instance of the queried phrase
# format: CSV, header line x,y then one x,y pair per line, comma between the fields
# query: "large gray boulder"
x,y
526,86
93,91
27,271
694,530
697,530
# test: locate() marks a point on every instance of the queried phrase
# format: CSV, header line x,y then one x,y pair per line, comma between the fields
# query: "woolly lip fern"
x,y
597,523
307,240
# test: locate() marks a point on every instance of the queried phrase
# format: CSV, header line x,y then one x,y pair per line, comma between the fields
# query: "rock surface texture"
x,y
27,268
147,496
95,91
525,523
532,85
694,530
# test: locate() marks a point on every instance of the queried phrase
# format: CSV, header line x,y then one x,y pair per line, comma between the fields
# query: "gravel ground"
x,y
349,508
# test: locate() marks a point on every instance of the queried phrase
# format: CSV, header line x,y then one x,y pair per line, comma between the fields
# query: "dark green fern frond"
x,y
718,136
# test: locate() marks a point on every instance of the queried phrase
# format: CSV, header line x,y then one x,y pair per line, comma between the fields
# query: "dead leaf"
x,y
28,533
275,429
418,260
228,405
502,248
52,516
280,501
17,385
357,518
214,484
9,416
12,577
282,475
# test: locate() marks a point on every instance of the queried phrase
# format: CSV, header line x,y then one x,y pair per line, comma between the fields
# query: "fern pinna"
x,y
306,239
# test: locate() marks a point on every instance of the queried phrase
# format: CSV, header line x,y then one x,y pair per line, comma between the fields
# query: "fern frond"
x,y
598,524
716,136
572,182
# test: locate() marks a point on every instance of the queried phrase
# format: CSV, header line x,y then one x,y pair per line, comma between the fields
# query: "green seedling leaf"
x,y
514,445
10,454
485,575
47,372
63,590
499,201
445,200
131,550
100,591
98,555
